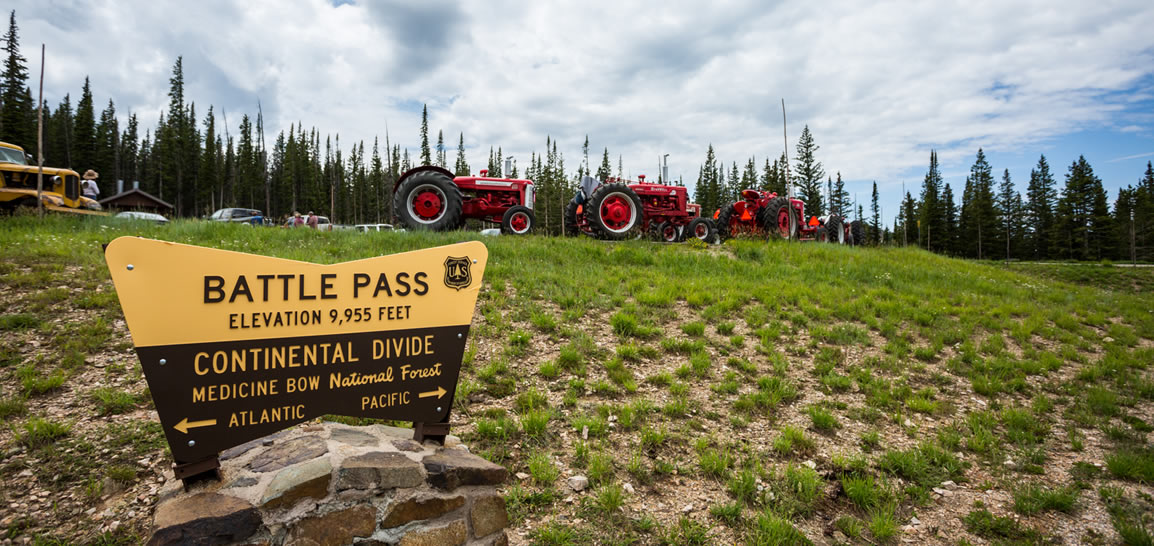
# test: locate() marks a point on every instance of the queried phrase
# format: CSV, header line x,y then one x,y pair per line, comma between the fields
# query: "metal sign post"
x,y
237,346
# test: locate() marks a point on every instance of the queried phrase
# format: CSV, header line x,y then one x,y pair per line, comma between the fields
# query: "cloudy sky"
x,y
880,84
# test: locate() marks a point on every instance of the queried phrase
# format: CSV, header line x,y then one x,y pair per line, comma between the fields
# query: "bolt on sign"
x,y
236,346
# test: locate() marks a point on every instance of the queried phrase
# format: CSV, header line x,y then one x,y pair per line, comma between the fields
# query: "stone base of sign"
x,y
336,484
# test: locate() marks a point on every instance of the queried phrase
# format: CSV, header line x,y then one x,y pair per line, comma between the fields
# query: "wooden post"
x,y
40,139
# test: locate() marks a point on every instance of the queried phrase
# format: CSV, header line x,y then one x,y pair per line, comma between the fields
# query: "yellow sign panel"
x,y
235,346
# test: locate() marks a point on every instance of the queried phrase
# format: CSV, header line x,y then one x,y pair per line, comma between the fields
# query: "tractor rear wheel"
x,y
857,231
569,219
518,220
835,229
777,219
428,200
613,211
724,222
699,228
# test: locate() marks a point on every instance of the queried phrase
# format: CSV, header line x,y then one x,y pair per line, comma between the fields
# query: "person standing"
x,y
298,220
312,221
91,190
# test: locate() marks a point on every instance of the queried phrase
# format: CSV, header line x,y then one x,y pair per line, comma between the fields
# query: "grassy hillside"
x,y
752,392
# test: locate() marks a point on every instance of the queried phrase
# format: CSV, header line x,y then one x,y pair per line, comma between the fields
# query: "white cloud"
x,y
879,83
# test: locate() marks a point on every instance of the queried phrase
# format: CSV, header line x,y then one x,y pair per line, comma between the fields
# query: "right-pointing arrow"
x,y
438,393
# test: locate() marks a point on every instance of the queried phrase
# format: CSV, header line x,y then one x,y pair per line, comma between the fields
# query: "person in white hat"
x,y
91,190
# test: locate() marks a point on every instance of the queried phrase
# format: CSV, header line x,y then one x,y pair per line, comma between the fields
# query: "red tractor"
x,y
432,198
615,208
763,213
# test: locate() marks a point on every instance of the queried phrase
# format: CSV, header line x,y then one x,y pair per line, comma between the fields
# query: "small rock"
x,y
585,432
521,476
908,423
26,473
628,488
810,464
570,499
915,521
1107,339
949,484
577,483
688,508
908,528
1009,462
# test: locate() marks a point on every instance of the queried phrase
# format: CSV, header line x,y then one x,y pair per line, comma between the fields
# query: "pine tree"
x,y
949,236
749,175
605,170
16,105
876,217
426,155
441,160
1124,232
839,203
931,214
808,173
462,166
382,195
84,131
107,148
130,152
1009,215
1041,197
706,191
1083,214
977,223
210,164
58,135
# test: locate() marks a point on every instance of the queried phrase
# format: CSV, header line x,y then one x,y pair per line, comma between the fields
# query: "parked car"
x,y
246,216
373,227
323,223
138,215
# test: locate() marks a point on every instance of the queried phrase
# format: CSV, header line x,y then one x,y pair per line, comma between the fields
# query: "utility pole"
x,y
788,182
40,140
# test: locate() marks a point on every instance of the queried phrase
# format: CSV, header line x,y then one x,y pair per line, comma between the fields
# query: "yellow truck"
x,y
61,191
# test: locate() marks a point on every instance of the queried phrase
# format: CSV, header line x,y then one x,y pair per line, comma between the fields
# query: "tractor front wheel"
x,y
613,211
518,220
699,228
777,219
667,232
822,235
428,200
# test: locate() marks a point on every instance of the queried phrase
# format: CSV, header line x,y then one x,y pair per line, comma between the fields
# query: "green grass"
x,y
1132,464
111,401
988,526
1032,499
793,441
38,431
620,357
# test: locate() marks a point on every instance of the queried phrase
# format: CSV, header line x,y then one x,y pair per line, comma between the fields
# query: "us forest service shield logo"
x,y
457,274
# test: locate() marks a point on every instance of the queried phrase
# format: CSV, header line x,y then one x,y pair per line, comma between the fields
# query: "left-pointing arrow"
x,y
185,424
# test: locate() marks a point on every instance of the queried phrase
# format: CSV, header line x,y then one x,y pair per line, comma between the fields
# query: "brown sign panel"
x,y
237,346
